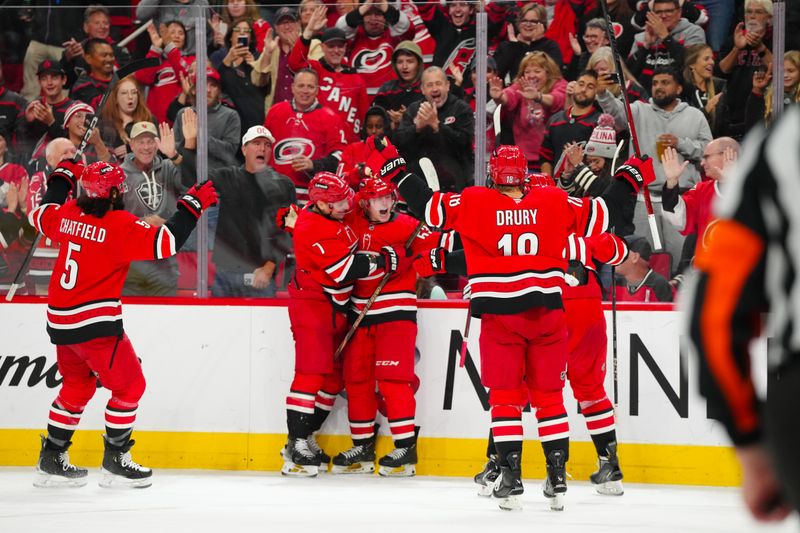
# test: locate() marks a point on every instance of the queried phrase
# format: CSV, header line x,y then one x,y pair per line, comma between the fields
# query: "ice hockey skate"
x,y
608,478
120,470
324,458
508,485
400,462
359,459
485,479
555,484
55,470
299,459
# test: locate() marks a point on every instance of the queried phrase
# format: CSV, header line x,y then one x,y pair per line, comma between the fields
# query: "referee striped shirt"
x,y
749,268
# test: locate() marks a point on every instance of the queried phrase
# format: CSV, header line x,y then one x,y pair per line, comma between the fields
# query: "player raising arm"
x,y
98,240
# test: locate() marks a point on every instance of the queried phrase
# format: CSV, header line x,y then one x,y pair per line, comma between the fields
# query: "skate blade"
x,y
485,490
610,488
357,468
556,502
114,481
294,470
398,471
44,480
510,503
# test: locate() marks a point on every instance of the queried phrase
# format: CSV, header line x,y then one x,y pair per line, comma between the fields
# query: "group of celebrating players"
x,y
528,249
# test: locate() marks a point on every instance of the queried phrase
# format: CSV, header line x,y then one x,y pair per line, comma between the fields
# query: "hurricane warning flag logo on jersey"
x,y
371,61
287,149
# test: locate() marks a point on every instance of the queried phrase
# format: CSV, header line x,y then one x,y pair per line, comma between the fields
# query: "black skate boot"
x,y
359,459
120,470
323,457
608,478
299,459
486,478
555,485
508,486
54,468
400,462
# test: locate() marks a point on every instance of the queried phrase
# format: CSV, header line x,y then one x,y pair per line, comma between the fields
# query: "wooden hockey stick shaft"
x,y
127,70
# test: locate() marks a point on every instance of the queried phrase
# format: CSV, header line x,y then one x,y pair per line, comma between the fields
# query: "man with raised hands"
x,y
98,241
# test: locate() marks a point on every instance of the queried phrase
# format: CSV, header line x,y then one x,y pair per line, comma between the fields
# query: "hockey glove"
x,y
638,172
576,274
431,263
286,218
384,161
395,259
68,171
198,198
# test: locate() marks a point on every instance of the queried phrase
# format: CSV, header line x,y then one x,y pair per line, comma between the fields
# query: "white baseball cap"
x,y
257,132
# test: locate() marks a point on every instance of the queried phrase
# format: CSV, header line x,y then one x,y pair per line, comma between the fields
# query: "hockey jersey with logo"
x,y
344,92
316,133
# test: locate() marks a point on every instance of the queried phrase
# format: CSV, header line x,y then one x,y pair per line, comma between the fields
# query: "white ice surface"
x,y
228,502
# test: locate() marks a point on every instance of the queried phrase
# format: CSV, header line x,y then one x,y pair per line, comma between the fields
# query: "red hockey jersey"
x,y
398,299
163,81
316,133
45,255
84,295
324,250
604,248
515,248
344,92
372,56
699,201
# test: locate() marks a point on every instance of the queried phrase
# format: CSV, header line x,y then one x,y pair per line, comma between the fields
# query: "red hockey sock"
x,y
300,403
551,419
361,408
599,417
400,409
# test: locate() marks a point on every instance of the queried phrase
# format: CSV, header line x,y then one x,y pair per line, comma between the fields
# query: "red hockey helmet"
x,y
508,166
538,179
99,178
330,188
375,188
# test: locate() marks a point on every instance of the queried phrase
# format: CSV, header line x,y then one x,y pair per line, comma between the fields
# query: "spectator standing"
x,y
272,68
96,25
12,111
124,108
594,36
602,62
309,137
341,88
355,154
305,12
11,174
441,128
154,186
50,26
166,81
223,126
164,11
663,41
759,104
235,71
233,12
620,13
239,34
44,116
636,281
574,124
527,37
703,90
538,92
372,31
90,85
750,53
662,122
396,95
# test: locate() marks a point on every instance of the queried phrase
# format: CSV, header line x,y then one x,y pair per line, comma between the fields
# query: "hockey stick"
x,y
648,204
127,70
429,171
614,360
616,155
375,294
462,356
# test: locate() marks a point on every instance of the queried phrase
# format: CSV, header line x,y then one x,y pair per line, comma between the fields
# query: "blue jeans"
x,y
231,285
720,14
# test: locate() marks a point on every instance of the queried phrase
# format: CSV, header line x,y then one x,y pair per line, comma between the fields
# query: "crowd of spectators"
x,y
295,89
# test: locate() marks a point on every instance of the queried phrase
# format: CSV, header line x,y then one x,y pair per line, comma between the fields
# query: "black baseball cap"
x,y
333,34
285,12
640,245
50,66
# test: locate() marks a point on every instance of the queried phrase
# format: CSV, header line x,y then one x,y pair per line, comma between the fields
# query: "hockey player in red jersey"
x,y
514,247
327,266
98,240
382,348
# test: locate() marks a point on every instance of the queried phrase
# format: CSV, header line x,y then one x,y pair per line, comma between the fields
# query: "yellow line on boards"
x,y
641,463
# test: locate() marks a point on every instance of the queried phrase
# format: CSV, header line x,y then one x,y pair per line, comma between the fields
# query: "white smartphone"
x,y
248,279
